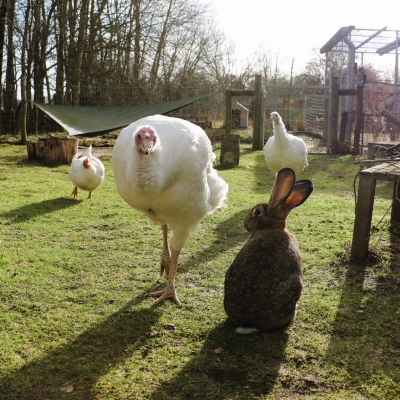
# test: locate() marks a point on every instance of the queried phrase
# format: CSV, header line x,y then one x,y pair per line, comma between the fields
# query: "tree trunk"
x,y
76,50
61,47
160,47
53,150
3,14
10,98
138,33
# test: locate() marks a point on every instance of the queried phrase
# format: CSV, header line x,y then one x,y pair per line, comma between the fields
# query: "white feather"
x,y
175,184
283,149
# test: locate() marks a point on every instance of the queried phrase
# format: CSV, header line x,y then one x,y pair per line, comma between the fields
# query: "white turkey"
x,y
86,172
283,149
163,167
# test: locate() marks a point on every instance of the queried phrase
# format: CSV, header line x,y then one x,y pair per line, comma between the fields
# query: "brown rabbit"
x,y
263,284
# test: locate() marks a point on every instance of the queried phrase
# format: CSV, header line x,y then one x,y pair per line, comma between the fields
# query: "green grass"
x,y
75,322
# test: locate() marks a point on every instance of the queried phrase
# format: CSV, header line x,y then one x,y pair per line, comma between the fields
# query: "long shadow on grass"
x,y
81,362
365,342
229,366
32,210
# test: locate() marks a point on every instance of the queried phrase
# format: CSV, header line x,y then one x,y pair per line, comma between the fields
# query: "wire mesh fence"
x,y
304,112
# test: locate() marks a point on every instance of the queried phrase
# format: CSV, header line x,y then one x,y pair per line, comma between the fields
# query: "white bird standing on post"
x,y
284,150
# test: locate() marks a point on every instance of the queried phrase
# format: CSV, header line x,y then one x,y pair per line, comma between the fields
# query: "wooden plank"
x,y
347,92
359,113
334,115
363,218
228,112
257,121
242,92
386,171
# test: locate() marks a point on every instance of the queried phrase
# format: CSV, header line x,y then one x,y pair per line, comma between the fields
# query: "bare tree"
x,y
3,18
10,96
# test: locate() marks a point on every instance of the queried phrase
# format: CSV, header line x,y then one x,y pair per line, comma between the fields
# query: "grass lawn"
x,y
75,322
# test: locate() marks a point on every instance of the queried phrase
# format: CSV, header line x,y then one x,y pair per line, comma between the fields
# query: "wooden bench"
x,y
365,205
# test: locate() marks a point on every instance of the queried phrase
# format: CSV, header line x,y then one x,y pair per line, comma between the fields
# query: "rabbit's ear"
x,y
283,186
301,191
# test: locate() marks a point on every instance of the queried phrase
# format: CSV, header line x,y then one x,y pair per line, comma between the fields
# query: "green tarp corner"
x,y
77,120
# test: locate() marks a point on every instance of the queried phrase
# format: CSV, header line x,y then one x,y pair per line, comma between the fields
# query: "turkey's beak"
x,y
146,147
275,118
146,143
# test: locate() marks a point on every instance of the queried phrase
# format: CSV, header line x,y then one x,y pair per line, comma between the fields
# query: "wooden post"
x,y
258,111
230,144
359,113
334,115
228,112
395,215
263,101
362,223
300,121
230,149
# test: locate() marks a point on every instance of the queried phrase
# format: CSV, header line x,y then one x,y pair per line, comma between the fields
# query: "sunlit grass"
x,y
74,321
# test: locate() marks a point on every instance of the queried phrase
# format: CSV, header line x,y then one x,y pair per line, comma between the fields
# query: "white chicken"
x,y
86,172
163,168
283,149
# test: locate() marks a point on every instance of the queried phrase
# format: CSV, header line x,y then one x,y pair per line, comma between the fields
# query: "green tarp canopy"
x,y
77,120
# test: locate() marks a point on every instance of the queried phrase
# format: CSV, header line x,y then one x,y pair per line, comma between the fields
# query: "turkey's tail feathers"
x,y
246,331
218,187
218,191
86,153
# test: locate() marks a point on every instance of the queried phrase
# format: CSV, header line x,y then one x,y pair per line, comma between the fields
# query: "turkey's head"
x,y
146,140
86,163
276,118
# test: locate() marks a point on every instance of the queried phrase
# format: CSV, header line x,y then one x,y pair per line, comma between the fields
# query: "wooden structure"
x,y
365,205
232,142
376,148
53,150
240,116
336,147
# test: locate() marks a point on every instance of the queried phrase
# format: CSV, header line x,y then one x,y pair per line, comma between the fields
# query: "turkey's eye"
x,y
139,136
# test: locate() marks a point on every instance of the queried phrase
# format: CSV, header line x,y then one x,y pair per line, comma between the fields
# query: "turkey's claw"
x,y
162,295
75,192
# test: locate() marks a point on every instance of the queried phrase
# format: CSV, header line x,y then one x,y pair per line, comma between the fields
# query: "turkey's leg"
x,y
75,192
166,254
169,290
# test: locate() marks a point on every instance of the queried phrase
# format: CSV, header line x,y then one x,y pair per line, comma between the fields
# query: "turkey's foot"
x,y
75,192
168,292
90,196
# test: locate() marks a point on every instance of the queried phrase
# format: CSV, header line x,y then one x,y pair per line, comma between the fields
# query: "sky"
x,y
295,27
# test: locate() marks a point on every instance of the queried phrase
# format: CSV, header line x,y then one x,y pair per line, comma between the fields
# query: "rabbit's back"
x,y
263,284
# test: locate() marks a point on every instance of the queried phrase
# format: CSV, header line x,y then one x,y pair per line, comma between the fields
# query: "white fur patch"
x,y
246,331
